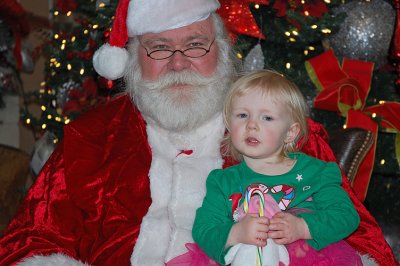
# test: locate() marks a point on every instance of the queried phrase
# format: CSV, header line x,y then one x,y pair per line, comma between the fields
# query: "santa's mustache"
x,y
170,79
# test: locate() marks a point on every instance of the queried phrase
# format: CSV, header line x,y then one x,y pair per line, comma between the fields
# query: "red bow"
x,y
344,89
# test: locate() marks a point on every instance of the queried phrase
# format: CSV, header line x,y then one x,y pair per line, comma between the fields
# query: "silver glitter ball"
x,y
254,59
366,32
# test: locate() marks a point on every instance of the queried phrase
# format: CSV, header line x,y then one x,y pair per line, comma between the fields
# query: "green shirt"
x,y
311,184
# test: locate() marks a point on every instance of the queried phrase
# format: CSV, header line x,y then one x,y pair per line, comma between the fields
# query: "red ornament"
x,y
66,5
105,83
239,19
315,8
83,98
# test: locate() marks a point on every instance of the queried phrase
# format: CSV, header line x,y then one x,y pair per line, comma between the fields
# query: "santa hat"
x,y
137,17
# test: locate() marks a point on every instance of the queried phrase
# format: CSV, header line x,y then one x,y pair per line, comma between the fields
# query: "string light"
x,y
305,52
69,67
382,102
287,33
288,65
43,108
49,117
314,27
62,46
69,13
56,13
82,71
67,121
28,121
95,26
344,126
58,119
382,162
306,13
256,6
326,31
44,126
296,33
292,39
55,141
85,32
102,4
239,55
373,115
56,36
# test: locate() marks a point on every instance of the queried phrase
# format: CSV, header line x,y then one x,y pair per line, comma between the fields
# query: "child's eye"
x,y
267,118
241,115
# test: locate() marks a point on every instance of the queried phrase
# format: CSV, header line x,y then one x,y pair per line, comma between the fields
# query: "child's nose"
x,y
252,125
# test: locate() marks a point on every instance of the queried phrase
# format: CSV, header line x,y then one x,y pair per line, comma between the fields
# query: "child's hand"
x,y
285,228
250,230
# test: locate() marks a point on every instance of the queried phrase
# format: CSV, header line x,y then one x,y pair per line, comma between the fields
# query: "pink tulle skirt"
x,y
300,254
338,254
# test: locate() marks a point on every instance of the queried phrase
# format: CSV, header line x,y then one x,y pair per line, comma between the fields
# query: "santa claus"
x,y
123,186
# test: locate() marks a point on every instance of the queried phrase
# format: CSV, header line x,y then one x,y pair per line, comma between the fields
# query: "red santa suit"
x,y
119,192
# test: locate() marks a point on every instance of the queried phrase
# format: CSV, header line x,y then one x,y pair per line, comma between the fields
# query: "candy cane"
x,y
248,195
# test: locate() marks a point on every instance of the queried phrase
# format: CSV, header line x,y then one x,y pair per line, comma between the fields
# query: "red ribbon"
x,y
344,89
341,87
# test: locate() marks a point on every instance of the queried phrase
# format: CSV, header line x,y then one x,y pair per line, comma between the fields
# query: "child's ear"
x,y
292,133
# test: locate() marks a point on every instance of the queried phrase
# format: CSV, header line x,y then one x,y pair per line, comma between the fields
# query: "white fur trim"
x,y
52,260
368,261
110,61
245,255
177,184
145,16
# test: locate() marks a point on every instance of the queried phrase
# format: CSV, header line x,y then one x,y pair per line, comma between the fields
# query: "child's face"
x,y
260,126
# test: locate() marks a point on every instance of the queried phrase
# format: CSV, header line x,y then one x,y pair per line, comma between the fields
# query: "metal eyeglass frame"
x,y
206,51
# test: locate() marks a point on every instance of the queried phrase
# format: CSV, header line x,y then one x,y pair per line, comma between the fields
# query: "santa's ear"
x,y
292,133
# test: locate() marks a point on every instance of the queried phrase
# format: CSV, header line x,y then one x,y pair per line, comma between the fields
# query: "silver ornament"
x,y
62,95
28,64
366,32
10,82
42,150
254,59
5,36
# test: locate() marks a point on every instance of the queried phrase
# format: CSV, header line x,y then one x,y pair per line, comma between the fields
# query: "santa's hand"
x,y
285,228
251,230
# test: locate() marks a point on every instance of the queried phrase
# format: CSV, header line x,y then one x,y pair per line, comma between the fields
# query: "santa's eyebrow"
x,y
153,40
168,40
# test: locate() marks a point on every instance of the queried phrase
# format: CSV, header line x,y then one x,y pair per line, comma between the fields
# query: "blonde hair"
x,y
270,84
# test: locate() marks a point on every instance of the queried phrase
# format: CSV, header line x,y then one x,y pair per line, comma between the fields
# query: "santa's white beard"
x,y
180,109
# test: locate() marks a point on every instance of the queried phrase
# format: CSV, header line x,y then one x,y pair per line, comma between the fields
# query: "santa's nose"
x,y
178,62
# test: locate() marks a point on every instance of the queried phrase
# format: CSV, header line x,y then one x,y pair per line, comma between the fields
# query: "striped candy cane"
x,y
255,191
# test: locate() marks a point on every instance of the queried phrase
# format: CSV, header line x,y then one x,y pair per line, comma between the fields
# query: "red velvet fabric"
x,y
90,198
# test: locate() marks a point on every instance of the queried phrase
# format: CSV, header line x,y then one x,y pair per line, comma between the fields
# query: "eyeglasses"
x,y
195,52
